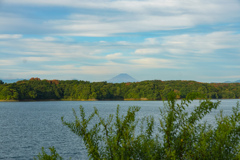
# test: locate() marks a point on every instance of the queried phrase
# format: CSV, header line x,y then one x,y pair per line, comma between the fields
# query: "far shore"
x,y
128,99
9,100
39,100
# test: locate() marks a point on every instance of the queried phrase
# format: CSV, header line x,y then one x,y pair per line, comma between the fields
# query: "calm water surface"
x,y
25,127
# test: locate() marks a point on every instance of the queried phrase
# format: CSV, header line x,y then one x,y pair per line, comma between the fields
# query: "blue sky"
x,y
96,40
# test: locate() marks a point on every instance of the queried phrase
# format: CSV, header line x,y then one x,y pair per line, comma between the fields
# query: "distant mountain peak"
x,y
11,80
238,81
123,77
125,74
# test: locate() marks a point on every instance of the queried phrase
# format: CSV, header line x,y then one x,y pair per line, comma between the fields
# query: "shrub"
x,y
181,134
44,156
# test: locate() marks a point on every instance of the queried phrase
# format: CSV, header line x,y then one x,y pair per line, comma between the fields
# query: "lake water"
x,y
25,127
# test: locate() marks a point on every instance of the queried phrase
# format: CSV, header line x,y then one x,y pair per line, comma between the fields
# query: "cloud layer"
x,y
107,18
95,40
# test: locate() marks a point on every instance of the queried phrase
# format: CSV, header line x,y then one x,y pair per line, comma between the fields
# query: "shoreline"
x,y
128,99
9,100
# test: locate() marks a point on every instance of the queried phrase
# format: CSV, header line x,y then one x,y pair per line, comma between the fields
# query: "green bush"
x,y
181,135
44,156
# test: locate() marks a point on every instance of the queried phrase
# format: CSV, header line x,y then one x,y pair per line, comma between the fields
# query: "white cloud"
x,y
196,44
139,6
201,44
146,51
114,17
114,56
61,67
98,69
16,23
101,69
101,26
10,36
6,62
151,41
49,39
143,16
154,63
35,59
48,48
123,43
16,61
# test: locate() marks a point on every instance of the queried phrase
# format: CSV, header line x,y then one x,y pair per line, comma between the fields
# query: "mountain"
x,y
123,77
227,82
238,81
10,80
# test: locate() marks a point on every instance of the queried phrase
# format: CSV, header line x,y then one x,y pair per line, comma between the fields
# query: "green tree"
x,y
32,94
166,91
1,82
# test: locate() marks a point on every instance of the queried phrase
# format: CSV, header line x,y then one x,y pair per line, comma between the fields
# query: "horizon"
x,y
95,40
109,80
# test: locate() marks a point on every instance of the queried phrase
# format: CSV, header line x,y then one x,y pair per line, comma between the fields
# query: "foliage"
x,y
44,156
36,89
1,82
181,135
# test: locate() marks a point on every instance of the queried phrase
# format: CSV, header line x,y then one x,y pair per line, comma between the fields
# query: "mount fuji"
x,y
122,78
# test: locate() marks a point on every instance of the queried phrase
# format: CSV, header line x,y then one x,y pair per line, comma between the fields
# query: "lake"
x,y
25,127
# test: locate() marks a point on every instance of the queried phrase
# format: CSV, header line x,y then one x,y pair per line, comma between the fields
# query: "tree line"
x,y
37,89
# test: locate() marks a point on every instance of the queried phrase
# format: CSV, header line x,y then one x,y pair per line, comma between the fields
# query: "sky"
x,y
95,40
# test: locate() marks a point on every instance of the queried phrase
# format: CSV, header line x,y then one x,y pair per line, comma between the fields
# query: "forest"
x,y
37,89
